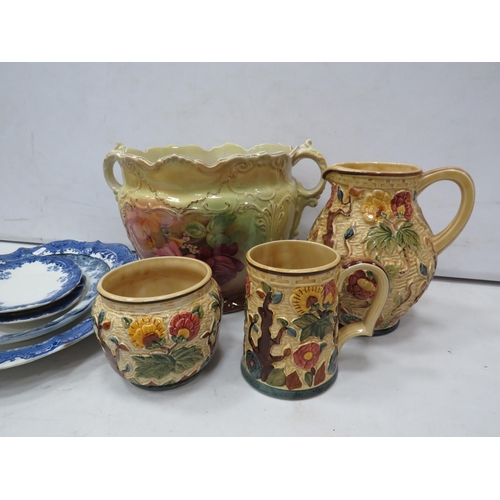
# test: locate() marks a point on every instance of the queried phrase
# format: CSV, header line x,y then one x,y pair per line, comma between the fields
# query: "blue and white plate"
x,y
57,307
113,255
33,281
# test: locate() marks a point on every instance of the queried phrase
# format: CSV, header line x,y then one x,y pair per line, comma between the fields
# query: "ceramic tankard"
x,y
373,215
292,336
211,205
157,320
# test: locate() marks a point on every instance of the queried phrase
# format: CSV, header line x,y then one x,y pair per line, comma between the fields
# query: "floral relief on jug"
x,y
373,216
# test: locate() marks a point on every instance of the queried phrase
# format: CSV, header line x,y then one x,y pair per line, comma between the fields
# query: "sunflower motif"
x,y
375,204
146,330
305,297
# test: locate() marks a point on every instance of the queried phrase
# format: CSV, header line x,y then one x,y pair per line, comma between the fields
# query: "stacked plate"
x,y
46,294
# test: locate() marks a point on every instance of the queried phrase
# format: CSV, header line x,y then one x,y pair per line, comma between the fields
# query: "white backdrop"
x,y
59,120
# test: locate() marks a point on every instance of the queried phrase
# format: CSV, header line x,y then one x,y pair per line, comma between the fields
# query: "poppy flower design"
x,y
401,205
305,297
360,286
307,355
184,326
329,292
146,330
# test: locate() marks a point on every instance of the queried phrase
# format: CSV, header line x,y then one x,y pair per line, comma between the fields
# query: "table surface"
x,y
436,375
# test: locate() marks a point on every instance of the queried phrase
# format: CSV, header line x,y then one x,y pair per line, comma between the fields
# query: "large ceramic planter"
x,y
373,216
211,205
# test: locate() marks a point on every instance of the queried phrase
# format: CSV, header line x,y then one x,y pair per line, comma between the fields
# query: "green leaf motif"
x,y
391,270
380,238
198,310
214,239
186,357
220,223
292,332
308,377
349,318
101,317
282,321
423,269
127,322
156,366
214,296
277,377
195,229
313,326
349,233
340,194
277,297
407,237
266,288
322,346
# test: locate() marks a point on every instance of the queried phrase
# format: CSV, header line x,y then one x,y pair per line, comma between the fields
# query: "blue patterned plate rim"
x,y
113,254
48,311
34,281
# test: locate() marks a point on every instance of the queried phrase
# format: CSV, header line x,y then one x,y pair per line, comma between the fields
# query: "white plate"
x,y
58,307
113,255
33,281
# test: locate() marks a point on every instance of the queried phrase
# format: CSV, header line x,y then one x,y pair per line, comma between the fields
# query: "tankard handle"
x,y
109,162
367,325
307,197
464,181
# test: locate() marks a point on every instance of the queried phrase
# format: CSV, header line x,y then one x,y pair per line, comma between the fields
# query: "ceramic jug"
x,y
373,216
211,205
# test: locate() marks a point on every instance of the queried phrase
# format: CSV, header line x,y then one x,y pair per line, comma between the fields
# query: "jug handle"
x,y
109,162
368,324
464,181
307,197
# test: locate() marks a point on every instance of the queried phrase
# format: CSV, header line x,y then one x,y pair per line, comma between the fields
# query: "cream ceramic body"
x,y
292,336
212,205
373,215
158,320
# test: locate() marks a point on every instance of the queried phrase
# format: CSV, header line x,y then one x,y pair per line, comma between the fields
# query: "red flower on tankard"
x,y
222,261
360,286
306,356
329,292
401,205
184,326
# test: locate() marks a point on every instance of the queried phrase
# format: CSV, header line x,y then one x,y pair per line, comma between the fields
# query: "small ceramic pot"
x,y
373,215
211,205
292,336
158,320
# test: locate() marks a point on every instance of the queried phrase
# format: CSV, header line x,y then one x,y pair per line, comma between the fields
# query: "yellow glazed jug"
x,y
373,216
211,205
